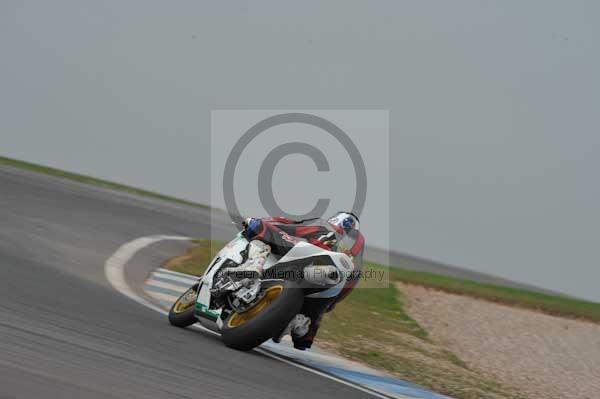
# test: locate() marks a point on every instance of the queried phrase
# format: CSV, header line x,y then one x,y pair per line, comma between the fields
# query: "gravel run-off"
x,y
539,355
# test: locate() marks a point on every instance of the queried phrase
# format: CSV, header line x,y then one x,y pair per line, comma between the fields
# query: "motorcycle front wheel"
x,y
182,311
282,301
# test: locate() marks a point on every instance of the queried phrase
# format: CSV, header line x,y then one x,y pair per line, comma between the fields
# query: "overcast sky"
x,y
493,107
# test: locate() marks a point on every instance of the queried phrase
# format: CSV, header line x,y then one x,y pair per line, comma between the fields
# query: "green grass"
x,y
92,180
197,258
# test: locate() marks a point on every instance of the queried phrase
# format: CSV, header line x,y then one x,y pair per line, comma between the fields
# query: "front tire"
x,y
182,312
245,331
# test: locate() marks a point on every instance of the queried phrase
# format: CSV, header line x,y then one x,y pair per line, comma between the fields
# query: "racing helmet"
x,y
347,221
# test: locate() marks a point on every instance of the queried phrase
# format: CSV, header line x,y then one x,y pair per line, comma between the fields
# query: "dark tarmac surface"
x,y
65,333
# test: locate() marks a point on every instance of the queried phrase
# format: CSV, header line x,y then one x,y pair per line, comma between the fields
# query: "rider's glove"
x,y
251,227
328,239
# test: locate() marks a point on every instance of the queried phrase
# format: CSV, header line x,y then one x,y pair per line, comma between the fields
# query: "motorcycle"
x,y
248,309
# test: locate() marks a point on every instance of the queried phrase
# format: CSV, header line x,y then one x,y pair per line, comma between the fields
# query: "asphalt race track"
x,y
66,333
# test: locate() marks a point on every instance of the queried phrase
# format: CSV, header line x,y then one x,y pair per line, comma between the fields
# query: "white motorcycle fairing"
x,y
340,262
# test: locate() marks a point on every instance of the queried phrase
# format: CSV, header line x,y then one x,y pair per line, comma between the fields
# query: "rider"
x,y
278,235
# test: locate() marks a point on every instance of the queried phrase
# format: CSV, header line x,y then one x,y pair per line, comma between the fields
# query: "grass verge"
x,y
92,181
373,327
196,258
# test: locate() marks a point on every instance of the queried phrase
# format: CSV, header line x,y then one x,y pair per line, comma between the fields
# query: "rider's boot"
x,y
298,327
313,308
304,341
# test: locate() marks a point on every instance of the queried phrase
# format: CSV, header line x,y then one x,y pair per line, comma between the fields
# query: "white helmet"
x,y
346,221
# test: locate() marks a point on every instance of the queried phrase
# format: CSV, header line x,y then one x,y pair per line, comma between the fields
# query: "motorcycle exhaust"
x,y
322,275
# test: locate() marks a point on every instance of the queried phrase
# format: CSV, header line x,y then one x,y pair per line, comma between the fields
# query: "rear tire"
x,y
180,315
269,322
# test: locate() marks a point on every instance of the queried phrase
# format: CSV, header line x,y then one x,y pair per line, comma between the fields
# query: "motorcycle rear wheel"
x,y
281,302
